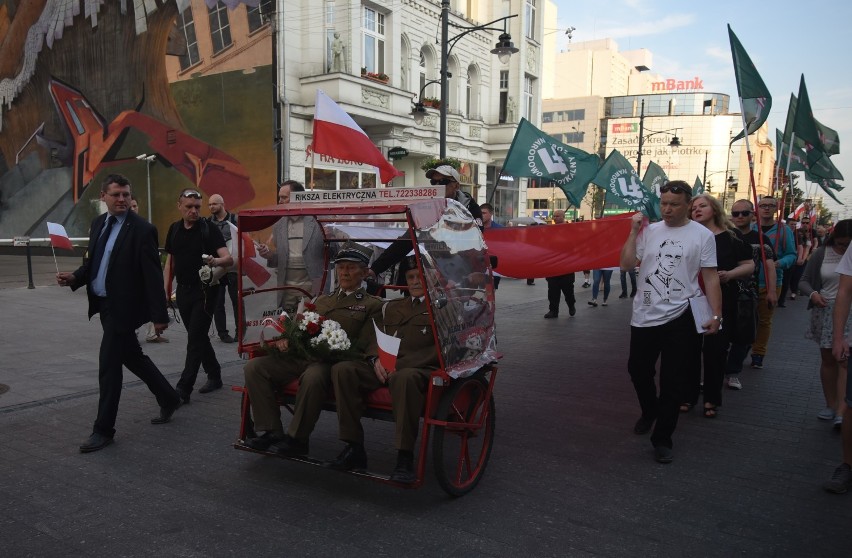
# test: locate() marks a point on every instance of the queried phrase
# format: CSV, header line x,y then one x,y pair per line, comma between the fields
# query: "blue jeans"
x,y
596,282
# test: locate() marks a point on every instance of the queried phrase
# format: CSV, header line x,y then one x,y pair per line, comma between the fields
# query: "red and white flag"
x,y
336,134
802,210
58,236
252,268
388,348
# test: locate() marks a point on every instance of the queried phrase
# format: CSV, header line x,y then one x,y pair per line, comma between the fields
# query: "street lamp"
x,y
148,160
418,111
674,143
504,49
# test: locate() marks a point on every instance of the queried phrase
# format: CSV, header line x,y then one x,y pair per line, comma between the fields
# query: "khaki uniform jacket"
x,y
410,322
355,314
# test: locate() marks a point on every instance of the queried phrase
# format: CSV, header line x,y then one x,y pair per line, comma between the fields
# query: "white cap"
x,y
445,170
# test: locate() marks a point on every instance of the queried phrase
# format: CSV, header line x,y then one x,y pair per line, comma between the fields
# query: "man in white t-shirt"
x,y
841,480
670,255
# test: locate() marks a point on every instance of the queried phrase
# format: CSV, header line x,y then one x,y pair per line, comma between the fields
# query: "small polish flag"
x,y
58,236
388,348
252,269
336,134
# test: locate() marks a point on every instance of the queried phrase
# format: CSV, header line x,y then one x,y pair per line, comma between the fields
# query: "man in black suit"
x,y
124,285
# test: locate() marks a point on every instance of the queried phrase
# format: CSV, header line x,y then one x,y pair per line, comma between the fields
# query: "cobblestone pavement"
x,y
567,477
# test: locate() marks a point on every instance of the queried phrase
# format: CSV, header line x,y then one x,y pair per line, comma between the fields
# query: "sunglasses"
x,y
764,206
745,213
191,194
676,189
442,181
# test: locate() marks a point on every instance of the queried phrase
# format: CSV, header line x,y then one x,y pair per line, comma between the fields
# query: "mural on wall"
x,y
84,91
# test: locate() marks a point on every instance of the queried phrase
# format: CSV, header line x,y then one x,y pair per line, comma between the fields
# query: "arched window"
x,y
453,85
405,65
473,91
428,71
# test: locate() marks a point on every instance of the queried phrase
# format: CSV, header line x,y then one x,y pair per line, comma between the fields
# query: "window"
x,y
529,30
374,41
504,96
187,26
529,101
259,16
329,12
220,27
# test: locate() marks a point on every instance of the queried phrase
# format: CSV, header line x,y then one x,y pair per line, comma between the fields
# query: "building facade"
x,y
375,59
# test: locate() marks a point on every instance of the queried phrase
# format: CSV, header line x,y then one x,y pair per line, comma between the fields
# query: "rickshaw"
x,y
459,415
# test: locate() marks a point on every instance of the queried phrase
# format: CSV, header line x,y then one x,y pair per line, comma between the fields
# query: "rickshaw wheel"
x,y
460,450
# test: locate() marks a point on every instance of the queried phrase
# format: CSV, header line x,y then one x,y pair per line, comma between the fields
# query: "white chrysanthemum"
x,y
308,317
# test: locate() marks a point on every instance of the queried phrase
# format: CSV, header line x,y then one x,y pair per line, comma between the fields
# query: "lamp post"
x,y
504,50
674,143
148,160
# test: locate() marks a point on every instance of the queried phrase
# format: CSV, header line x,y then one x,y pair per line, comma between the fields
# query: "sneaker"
x,y
734,383
603,303
826,414
838,422
757,361
593,303
586,284
841,480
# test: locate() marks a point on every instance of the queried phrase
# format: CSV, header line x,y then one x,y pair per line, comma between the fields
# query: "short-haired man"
x,y
298,251
841,480
354,310
560,285
123,283
188,239
742,216
223,219
670,254
408,319
488,222
784,245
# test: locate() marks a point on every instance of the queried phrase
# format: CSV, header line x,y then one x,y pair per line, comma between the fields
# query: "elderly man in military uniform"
x,y
354,310
408,319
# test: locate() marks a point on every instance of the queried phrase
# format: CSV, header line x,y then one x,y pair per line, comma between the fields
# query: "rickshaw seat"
x,y
378,401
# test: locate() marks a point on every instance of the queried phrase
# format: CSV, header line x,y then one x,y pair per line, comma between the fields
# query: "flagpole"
x,y
54,258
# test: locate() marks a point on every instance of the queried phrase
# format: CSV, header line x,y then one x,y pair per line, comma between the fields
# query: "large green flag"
x,y
825,188
824,182
618,177
804,124
698,187
535,154
754,95
820,165
829,138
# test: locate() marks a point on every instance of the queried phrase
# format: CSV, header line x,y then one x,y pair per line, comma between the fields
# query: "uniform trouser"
x,y
677,345
196,306
764,324
227,283
267,374
119,346
557,286
352,380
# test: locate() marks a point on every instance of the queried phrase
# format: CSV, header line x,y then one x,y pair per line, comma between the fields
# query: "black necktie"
x,y
100,247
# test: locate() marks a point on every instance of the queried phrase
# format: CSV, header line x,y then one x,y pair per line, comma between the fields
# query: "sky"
x,y
784,39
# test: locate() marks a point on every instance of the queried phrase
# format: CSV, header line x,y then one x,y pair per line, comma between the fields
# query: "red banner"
x,y
549,250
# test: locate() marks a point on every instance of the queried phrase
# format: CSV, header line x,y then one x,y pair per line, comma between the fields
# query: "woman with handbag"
x,y
733,262
819,283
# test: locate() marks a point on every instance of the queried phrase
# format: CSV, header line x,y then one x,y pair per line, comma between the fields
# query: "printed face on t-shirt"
x,y
670,256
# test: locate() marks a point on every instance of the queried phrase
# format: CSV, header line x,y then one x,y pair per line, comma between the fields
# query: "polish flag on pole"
x,y
801,211
336,134
252,268
58,236
388,348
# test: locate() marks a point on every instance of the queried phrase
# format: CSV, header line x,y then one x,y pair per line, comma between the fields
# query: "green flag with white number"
x,y
534,154
618,177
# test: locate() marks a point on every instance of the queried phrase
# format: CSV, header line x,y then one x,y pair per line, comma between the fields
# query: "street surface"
x,y
567,477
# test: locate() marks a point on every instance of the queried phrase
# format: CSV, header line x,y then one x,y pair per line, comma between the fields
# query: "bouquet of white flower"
x,y
309,336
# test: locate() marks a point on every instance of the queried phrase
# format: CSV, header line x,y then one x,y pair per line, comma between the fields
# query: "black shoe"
x,y
95,442
166,413
632,294
184,395
211,385
352,458
551,315
227,338
572,310
643,426
404,471
291,447
622,295
662,454
262,443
